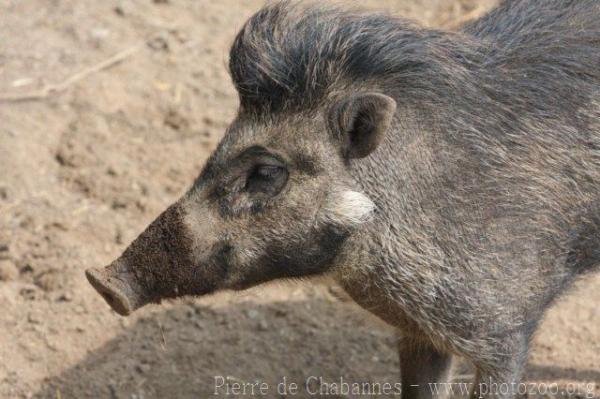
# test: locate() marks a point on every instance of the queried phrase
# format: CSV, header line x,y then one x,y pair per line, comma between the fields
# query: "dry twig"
x,y
51,89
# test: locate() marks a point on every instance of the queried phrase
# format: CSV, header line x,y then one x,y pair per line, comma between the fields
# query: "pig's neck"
x,y
397,258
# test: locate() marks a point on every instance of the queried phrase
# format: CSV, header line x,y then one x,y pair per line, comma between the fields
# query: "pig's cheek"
x,y
242,258
317,217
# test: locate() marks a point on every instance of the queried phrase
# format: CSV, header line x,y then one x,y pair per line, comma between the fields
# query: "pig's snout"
x,y
155,266
116,287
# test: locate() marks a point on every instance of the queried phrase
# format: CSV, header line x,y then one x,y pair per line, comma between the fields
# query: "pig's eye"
x,y
266,179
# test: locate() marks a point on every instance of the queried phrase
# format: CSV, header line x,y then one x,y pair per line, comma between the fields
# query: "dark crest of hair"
x,y
291,55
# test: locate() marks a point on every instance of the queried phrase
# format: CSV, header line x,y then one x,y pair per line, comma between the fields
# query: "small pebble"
x,y
159,43
8,270
65,297
263,326
33,319
142,368
252,314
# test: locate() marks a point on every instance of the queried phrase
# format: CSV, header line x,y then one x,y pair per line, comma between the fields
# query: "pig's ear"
x,y
361,122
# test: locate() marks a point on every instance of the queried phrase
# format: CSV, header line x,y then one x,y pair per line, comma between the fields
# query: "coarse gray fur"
x,y
487,187
485,182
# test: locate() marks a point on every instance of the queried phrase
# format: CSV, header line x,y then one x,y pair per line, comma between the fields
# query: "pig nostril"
x,y
108,297
111,291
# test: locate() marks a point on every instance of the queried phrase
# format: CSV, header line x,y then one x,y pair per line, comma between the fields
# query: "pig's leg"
x,y
422,366
499,371
503,386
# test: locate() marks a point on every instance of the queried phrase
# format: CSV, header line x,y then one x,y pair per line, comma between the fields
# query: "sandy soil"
x,y
83,170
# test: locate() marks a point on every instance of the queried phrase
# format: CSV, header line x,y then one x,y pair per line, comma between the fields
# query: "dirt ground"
x,y
84,169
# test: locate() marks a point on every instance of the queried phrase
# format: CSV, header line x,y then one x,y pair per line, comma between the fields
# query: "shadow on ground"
x,y
177,353
181,352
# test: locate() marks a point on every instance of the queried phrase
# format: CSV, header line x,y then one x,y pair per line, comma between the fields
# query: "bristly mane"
x,y
291,54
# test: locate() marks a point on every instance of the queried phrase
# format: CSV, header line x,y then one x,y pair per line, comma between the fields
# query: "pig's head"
x,y
275,200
